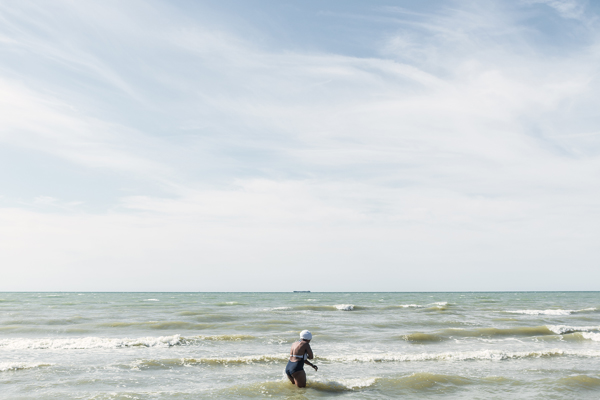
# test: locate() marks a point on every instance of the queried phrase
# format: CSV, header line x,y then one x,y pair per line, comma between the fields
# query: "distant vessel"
x,y
301,291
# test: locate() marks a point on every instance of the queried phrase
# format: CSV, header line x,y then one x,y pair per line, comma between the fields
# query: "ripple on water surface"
x,y
235,345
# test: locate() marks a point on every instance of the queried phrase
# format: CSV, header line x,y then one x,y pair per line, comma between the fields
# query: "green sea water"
x,y
522,345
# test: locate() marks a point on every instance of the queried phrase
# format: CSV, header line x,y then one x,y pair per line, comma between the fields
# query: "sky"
x,y
275,145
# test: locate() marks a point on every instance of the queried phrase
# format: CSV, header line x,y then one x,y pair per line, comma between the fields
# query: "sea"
x,y
509,345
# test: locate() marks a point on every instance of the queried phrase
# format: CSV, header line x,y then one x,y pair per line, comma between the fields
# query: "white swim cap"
x,y
306,335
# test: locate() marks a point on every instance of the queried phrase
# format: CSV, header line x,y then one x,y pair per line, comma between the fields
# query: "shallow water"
x,y
235,345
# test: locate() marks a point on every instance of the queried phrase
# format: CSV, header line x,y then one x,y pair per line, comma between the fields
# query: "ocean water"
x,y
542,345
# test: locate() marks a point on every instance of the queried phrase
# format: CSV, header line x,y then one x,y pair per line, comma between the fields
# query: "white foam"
x,y
549,312
151,300
491,355
477,355
90,343
441,303
344,307
342,384
14,366
591,336
562,329
410,306
543,312
280,308
264,358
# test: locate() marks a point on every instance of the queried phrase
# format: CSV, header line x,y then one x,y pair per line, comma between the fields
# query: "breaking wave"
x,y
112,343
223,337
452,333
562,329
550,312
437,306
336,307
591,336
182,362
491,355
476,355
15,366
409,306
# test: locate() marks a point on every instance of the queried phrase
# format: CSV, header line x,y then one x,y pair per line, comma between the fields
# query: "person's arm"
x,y
310,353
311,364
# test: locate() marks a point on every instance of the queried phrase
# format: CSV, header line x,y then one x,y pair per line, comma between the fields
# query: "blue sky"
x,y
232,145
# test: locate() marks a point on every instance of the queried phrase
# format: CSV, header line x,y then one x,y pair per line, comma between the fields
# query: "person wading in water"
x,y
299,356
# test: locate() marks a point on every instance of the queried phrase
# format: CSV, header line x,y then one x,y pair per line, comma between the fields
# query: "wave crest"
x,y
477,355
591,336
563,329
448,334
182,362
491,355
15,366
91,343
337,307
112,343
550,312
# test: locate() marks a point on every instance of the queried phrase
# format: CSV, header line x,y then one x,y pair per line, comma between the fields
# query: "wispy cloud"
x,y
465,135
566,8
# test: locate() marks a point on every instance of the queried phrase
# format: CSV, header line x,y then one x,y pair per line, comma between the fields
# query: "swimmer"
x,y
299,356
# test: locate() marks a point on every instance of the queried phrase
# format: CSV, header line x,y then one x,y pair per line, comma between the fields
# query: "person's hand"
x,y
315,367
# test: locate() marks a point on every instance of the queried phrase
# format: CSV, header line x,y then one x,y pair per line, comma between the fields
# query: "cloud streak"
x,y
464,142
